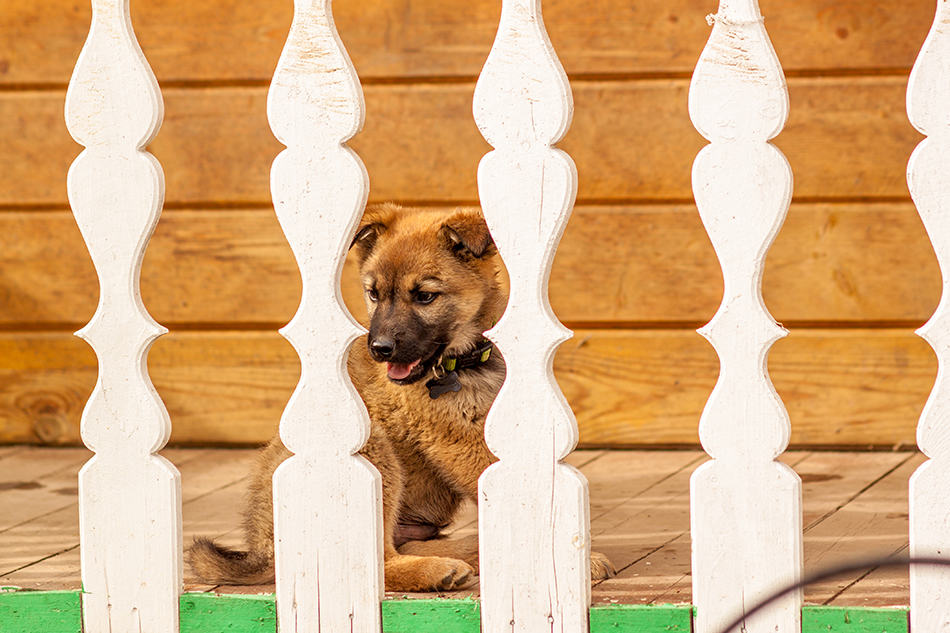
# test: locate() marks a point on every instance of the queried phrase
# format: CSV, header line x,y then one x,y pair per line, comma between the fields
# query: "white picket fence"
x,y
533,516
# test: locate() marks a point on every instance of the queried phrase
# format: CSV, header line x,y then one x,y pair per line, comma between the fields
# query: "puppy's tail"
x,y
222,566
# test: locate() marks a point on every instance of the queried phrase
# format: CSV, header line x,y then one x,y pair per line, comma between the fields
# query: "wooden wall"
x,y
851,275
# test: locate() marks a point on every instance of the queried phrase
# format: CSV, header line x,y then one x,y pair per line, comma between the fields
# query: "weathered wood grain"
x,y
9,451
629,527
830,481
638,502
847,137
638,499
873,524
465,523
882,587
44,554
616,264
36,482
213,477
842,387
411,38
648,536
214,513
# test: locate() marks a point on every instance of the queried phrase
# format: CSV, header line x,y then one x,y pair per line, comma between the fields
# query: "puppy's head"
x,y
430,282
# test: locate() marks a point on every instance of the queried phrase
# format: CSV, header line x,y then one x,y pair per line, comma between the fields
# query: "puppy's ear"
x,y
376,220
466,234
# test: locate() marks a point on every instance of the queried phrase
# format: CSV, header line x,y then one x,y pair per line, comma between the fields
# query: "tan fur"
x,y
430,453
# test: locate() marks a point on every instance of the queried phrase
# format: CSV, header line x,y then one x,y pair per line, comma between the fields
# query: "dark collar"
x,y
476,357
446,372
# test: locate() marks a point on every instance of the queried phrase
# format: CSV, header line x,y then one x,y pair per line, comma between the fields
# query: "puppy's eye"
x,y
426,297
372,294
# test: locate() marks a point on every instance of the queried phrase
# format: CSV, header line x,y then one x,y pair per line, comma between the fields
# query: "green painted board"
x,y
634,618
59,612
39,612
854,620
431,616
211,613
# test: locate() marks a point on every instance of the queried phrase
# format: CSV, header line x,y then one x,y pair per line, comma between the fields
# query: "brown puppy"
x,y
432,286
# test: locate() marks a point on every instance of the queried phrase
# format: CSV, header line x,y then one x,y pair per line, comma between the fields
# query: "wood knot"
x,y
51,428
48,414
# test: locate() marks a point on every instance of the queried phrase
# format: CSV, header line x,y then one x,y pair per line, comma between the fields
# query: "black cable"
x,y
831,572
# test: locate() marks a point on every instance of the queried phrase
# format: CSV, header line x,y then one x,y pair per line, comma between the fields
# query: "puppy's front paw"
x,y
458,574
463,548
427,573
600,567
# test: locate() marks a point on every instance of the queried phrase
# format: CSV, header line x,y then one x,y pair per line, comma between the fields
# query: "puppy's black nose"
x,y
383,347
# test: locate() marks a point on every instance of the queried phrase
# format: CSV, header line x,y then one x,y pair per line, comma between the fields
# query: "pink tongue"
x,y
398,371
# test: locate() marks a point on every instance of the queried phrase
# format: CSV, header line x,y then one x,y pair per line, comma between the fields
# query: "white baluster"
x,y
329,575
745,507
534,526
129,498
928,106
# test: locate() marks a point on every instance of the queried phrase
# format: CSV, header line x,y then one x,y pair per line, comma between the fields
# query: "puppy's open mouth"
x,y
401,371
407,373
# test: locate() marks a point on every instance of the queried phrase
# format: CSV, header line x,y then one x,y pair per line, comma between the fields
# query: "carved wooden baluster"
x,y
129,498
534,525
329,575
928,106
745,507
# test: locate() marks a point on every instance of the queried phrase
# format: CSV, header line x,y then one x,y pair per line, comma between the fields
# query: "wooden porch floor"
x,y
855,505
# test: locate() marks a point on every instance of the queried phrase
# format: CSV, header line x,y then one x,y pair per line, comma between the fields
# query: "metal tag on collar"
x,y
486,353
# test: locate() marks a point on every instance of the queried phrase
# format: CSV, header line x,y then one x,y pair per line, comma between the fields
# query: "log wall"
x,y
851,274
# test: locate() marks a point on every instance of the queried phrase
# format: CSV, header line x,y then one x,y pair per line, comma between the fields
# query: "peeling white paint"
x,y
129,498
329,576
534,521
746,520
928,107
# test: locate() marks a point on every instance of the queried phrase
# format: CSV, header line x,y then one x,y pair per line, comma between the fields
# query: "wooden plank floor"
x,y
855,505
